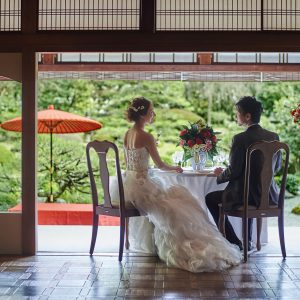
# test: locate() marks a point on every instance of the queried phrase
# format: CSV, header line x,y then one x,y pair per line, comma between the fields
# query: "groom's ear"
x,y
248,117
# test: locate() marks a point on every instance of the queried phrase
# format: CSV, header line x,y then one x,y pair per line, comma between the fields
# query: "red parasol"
x,y
55,121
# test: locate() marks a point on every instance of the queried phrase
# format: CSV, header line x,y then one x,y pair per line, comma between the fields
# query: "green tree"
x,y
269,93
69,168
222,97
288,130
68,95
10,177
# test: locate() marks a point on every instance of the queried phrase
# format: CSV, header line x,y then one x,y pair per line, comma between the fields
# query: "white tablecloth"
x,y
202,183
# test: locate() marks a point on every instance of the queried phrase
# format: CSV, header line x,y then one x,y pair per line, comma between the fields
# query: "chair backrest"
x,y
260,157
102,148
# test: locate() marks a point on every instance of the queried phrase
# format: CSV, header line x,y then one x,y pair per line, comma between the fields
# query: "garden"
x,y
176,104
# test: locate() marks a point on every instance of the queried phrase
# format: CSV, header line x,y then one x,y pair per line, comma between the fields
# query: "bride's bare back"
x,y
137,137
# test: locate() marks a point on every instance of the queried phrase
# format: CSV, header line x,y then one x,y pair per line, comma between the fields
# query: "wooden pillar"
x,y
49,59
29,17
205,58
29,152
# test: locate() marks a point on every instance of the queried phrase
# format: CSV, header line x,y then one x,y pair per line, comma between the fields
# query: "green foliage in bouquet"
x,y
198,136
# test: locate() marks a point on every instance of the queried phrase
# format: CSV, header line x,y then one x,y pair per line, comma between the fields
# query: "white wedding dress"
x,y
176,227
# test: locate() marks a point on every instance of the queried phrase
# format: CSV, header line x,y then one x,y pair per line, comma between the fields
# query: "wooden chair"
x,y
264,209
107,208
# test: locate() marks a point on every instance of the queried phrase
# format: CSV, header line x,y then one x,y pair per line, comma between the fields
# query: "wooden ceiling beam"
x,y
137,41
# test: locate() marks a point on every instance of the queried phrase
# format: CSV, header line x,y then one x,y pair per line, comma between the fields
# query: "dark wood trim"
x,y
136,41
148,15
29,152
135,67
29,13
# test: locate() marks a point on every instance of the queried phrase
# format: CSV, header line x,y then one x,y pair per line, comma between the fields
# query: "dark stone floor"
x,y
143,277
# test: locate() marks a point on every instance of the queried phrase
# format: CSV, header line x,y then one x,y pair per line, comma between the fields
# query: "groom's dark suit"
x,y
232,196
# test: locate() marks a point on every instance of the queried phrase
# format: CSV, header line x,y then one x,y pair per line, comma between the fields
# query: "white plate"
x,y
203,172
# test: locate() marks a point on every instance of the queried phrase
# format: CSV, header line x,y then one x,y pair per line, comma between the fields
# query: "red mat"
x,y
68,214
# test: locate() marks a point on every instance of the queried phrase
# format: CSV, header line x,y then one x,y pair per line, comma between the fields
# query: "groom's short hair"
x,y
249,104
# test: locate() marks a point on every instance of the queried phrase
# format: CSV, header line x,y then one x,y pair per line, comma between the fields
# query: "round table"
x,y
200,183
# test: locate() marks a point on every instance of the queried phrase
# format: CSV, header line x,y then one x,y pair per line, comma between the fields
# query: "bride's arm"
x,y
151,147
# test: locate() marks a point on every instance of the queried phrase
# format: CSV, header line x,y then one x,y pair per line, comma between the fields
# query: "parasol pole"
x,y
51,166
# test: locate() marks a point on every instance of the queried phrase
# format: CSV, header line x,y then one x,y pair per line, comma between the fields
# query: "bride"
x,y
176,227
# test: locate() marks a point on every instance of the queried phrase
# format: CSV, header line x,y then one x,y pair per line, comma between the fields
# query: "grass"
x,y
290,219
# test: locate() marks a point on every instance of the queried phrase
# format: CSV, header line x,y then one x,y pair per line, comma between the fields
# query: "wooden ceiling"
x,y
257,26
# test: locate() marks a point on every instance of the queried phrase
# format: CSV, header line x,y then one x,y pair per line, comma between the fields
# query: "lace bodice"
x,y
137,159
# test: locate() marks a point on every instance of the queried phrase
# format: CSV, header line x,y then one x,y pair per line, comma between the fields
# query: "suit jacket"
x,y
235,172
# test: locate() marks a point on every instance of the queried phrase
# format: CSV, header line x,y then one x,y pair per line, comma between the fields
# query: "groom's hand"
x,y
218,171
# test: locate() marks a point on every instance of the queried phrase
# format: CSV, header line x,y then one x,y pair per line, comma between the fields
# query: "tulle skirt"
x,y
176,227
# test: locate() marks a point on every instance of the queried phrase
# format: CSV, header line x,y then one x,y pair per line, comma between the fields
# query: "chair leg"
x,y
281,235
94,233
245,238
222,221
127,233
122,233
258,228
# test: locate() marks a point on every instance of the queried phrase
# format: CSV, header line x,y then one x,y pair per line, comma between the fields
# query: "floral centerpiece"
x,y
296,114
196,139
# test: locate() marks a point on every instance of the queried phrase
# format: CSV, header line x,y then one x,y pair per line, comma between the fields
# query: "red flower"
x,y
199,141
191,143
214,139
296,114
182,142
183,132
208,145
205,133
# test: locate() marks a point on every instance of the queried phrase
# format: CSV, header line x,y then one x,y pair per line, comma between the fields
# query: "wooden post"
x,y
29,14
49,58
204,58
29,153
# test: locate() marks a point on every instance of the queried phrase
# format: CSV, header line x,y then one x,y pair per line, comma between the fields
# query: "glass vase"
x,y
199,160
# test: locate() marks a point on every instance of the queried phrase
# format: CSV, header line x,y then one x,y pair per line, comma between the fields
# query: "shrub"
x,y
219,117
292,183
296,210
5,155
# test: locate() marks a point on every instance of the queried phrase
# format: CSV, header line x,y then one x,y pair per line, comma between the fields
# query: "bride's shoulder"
x,y
148,136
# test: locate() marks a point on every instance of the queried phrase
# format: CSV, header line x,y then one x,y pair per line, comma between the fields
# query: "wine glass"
x,y
220,159
177,158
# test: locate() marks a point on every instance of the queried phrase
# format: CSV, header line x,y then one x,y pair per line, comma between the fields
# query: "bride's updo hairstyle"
x,y
138,107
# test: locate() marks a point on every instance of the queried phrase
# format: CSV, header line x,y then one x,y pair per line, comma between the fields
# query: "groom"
x,y
248,112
